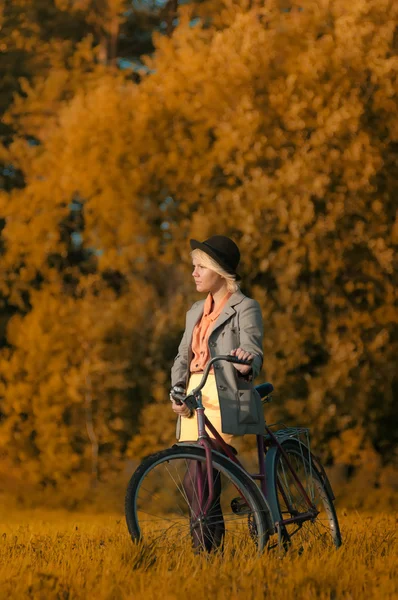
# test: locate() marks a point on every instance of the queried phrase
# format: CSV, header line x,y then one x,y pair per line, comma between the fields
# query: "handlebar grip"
x,y
238,361
177,393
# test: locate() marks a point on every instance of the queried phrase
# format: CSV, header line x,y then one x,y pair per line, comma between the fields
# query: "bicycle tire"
x,y
286,500
255,524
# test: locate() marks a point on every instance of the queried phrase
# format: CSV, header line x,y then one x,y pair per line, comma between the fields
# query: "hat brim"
x,y
196,245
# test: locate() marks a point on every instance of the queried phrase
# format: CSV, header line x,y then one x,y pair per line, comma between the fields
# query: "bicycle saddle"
x,y
264,389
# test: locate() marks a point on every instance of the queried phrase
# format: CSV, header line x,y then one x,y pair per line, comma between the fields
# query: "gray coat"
x,y
240,324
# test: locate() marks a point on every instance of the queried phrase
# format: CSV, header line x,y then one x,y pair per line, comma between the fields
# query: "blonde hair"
x,y
208,262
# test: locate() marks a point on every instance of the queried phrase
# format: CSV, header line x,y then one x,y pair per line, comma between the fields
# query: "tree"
x,y
72,384
278,128
283,133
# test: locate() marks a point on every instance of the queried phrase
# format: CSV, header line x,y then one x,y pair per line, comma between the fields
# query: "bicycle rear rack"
x,y
282,432
302,436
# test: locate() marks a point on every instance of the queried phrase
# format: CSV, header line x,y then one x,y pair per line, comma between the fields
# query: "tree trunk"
x,y
90,430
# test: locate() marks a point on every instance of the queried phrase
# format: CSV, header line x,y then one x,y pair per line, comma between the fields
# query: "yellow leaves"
x,y
153,437
117,424
64,349
380,340
349,447
343,351
274,127
384,255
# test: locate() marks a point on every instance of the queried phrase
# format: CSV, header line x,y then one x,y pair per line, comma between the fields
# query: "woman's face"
x,y
206,280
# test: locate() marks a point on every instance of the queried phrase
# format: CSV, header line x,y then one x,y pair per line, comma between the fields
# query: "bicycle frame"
x,y
209,444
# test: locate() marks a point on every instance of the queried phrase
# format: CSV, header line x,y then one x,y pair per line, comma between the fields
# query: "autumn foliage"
x,y
273,122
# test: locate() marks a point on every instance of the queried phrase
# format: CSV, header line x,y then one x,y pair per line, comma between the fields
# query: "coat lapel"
x,y
226,314
197,310
228,310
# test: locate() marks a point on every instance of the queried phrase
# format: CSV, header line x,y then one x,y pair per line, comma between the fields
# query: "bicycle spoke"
x,y
158,498
181,490
159,517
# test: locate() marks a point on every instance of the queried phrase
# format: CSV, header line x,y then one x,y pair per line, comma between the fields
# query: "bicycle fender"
x,y
270,461
325,479
270,475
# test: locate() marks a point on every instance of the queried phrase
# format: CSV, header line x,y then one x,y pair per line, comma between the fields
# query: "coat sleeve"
x,y
251,332
179,369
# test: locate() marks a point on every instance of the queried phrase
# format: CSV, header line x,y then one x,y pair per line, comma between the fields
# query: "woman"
x,y
226,322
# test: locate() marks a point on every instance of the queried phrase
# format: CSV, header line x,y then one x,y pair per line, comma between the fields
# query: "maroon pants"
x,y
207,533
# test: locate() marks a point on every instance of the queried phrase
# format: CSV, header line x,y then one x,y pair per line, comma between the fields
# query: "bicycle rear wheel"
x,y
165,504
288,500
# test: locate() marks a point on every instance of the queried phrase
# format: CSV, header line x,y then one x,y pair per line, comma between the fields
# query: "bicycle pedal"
x,y
239,506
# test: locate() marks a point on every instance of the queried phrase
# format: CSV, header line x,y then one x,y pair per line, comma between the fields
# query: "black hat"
x,y
223,250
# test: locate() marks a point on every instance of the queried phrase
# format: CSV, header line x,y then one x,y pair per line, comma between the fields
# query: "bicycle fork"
x,y
205,443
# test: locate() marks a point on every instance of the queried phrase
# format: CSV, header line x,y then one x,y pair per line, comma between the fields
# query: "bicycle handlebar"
x,y
178,399
227,358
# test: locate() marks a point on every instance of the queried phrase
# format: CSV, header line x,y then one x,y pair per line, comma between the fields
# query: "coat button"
x,y
212,344
222,388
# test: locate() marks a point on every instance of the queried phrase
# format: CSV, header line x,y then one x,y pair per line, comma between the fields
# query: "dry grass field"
x,y
61,555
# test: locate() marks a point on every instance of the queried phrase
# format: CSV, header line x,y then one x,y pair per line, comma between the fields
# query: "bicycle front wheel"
x,y
291,500
167,497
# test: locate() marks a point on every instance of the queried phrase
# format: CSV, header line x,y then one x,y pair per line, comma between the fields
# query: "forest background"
x,y
129,127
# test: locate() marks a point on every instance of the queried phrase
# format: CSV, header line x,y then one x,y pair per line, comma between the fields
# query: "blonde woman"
x,y
225,322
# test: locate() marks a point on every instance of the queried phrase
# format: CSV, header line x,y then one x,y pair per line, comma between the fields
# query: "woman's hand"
x,y
180,409
242,355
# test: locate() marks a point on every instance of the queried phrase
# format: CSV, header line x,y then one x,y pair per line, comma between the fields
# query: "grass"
x,y
59,555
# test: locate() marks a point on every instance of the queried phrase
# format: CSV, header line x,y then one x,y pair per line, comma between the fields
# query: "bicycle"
x,y
199,494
